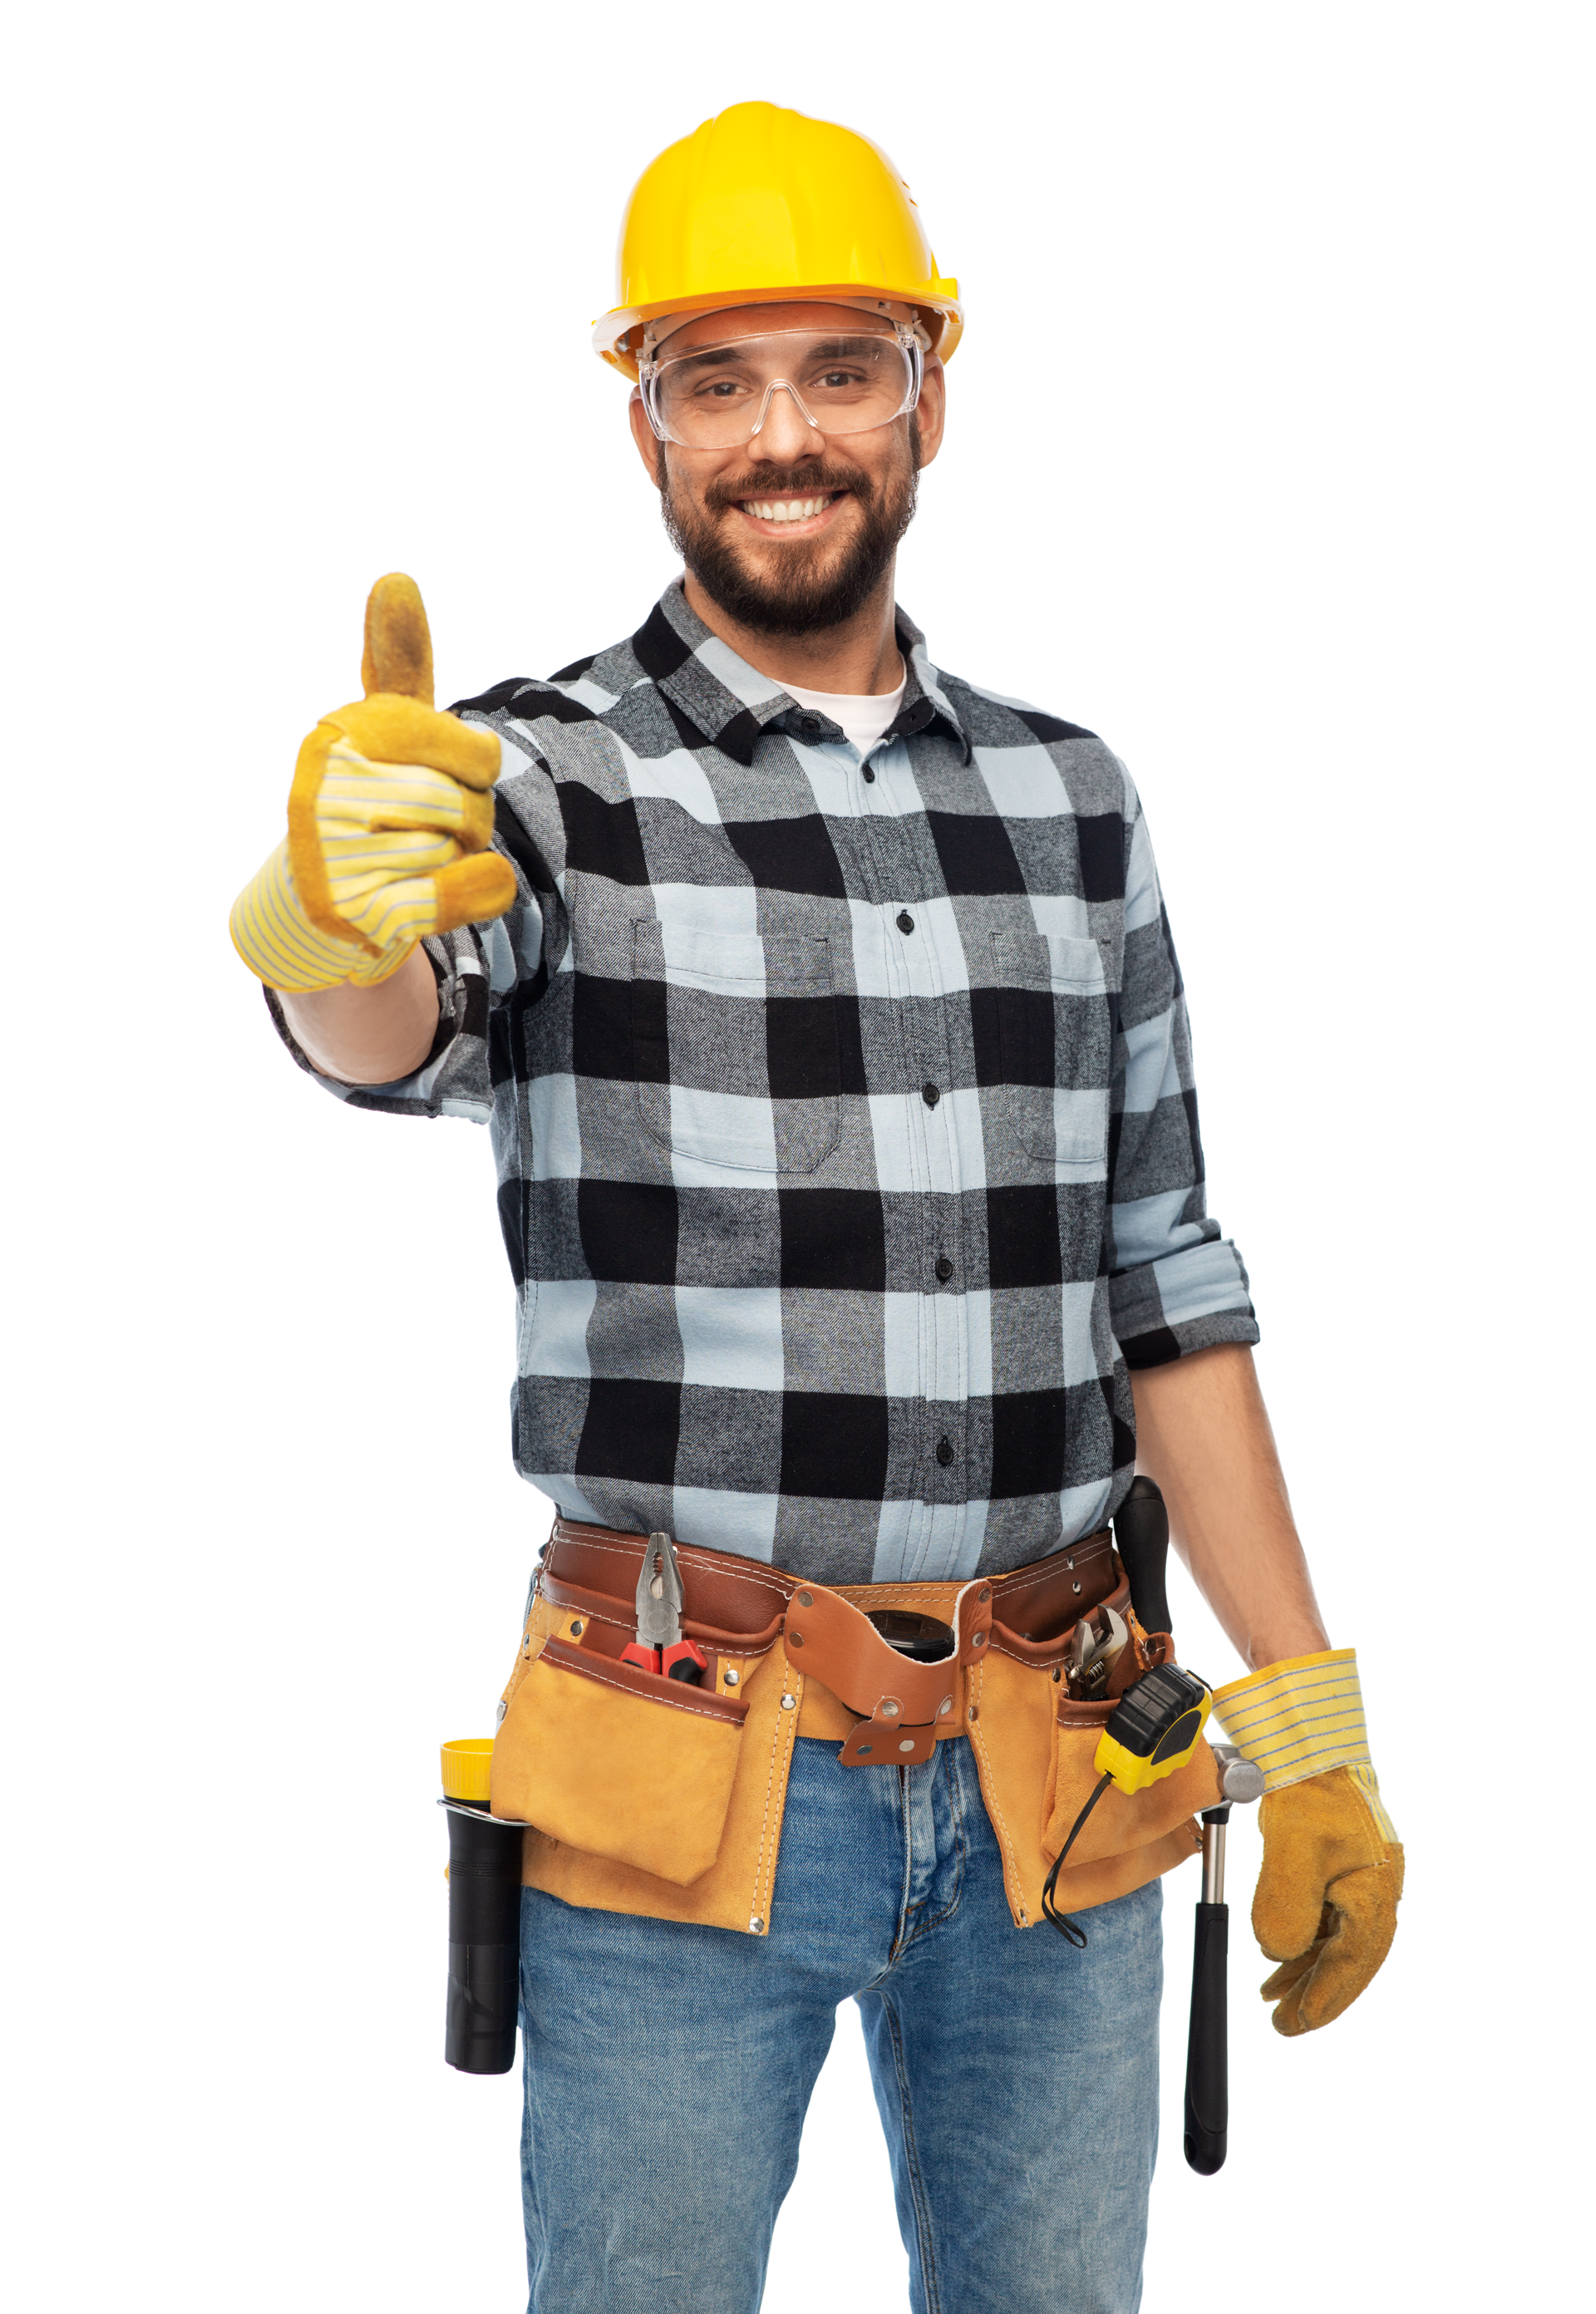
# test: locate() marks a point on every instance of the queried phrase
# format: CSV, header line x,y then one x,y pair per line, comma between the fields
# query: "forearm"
x,y
1203,1435
367,1036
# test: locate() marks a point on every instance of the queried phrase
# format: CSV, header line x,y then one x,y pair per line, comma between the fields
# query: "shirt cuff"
x,y
1189,1300
453,1081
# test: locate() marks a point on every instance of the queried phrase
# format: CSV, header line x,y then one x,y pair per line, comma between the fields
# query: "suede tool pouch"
x,y
617,1762
1119,1821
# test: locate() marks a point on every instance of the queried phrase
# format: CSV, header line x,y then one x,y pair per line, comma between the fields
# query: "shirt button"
x,y
869,774
905,921
930,1095
943,1269
808,724
944,1451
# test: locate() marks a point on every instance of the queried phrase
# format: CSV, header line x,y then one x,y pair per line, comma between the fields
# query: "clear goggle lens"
x,y
715,397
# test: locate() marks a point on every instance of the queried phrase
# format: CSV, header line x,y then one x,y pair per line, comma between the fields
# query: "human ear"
x,y
650,445
931,410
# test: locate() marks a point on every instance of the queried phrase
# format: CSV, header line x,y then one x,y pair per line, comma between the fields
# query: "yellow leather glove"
x,y
1326,1903
390,816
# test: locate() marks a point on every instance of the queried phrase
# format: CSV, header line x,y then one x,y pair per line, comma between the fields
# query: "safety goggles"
x,y
715,397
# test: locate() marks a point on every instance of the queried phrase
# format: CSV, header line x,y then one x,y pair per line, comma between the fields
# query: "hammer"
x,y
1207,2069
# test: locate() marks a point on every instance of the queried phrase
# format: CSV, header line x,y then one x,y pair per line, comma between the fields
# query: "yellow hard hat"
x,y
761,205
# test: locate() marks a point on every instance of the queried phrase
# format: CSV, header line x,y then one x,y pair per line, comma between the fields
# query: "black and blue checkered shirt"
x,y
843,1109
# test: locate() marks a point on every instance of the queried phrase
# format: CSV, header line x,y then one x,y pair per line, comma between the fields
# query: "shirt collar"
x,y
731,704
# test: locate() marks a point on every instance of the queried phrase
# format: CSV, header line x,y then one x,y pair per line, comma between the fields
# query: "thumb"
x,y
398,654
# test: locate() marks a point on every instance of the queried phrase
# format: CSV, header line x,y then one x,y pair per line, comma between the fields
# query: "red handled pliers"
x,y
659,1646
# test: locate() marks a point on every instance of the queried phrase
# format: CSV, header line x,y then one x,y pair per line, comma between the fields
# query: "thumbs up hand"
x,y
390,816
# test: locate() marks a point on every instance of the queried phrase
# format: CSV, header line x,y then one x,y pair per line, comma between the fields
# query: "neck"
x,y
861,657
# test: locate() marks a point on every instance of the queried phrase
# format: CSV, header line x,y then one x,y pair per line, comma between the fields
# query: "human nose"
x,y
785,432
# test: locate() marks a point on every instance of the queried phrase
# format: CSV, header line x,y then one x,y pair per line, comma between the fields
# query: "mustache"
x,y
810,479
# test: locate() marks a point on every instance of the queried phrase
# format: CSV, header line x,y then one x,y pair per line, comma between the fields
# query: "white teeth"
x,y
786,510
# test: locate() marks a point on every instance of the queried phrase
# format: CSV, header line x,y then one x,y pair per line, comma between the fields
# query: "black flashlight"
x,y
484,1918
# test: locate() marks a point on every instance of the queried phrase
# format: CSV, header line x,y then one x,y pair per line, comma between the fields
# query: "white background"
x,y
1267,460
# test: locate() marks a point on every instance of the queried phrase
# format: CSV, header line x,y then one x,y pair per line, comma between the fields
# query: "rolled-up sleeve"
x,y
1175,1284
454,1080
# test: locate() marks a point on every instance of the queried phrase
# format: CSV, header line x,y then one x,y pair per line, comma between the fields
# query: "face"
x,y
793,531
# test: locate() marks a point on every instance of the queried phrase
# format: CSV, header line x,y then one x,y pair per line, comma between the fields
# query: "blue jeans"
x,y
668,2067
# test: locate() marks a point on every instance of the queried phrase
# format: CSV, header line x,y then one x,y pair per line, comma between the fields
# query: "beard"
x,y
815,584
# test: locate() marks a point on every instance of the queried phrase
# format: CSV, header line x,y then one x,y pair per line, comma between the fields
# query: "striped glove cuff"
x,y
281,946
1301,1718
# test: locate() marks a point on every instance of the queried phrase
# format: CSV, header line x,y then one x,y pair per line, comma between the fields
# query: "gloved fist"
x,y
1326,1903
390,816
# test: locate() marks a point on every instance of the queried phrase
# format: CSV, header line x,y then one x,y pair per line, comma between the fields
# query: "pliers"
x,y
659,1647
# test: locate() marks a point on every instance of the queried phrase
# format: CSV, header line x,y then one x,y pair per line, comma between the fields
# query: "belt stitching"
x,y
685,1553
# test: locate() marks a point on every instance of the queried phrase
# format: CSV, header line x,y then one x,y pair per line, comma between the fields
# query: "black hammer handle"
x,y
1207,2071
1141,1536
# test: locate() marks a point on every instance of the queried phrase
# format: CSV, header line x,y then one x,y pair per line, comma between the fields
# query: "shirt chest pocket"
x,y
735,1047
1057,1034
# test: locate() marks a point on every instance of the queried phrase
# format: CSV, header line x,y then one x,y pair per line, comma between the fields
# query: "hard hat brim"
x,y
941,312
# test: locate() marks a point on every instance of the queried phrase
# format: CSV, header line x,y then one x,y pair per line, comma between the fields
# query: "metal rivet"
x,y
1074,1586
576,1628
806,1599
732,1677
984,1593
972,1712
503,1708
862,1751
907,1746
1070,1565
944,1706
787,1701
1057,1674
757,1925
979,1639
795,1638
890,1708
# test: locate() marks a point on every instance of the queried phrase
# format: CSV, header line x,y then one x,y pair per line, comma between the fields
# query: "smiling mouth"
x,y
788,510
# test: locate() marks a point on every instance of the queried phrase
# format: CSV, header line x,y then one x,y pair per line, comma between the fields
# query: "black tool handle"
x,y
484,1943
1142,1536
1207,2064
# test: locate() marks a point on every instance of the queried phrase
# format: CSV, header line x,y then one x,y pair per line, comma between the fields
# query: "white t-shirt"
x,y
862,716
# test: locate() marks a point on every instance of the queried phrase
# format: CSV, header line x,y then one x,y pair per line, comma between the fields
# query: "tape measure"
x,y
1153,1730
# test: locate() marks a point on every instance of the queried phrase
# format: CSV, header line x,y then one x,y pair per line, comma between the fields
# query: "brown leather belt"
x,y
893,1708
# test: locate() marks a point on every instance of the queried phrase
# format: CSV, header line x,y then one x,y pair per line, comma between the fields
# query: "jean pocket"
x,y
1056,1041
616,1761
735,1047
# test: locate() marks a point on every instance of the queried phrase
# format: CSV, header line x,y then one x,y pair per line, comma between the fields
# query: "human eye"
x,y
841,367
718,385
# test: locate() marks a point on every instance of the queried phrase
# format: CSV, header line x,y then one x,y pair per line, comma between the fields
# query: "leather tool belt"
x,y
648,1796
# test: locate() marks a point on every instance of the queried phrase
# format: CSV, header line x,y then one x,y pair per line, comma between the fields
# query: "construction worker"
x,y
825,1010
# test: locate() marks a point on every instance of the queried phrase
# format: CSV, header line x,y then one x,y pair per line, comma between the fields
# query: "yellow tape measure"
x,y
1154,1728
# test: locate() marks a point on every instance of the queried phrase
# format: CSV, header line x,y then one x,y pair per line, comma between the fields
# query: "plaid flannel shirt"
x,y
843,1112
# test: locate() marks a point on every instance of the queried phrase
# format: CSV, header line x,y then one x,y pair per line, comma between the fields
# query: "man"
x,y
825,1013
